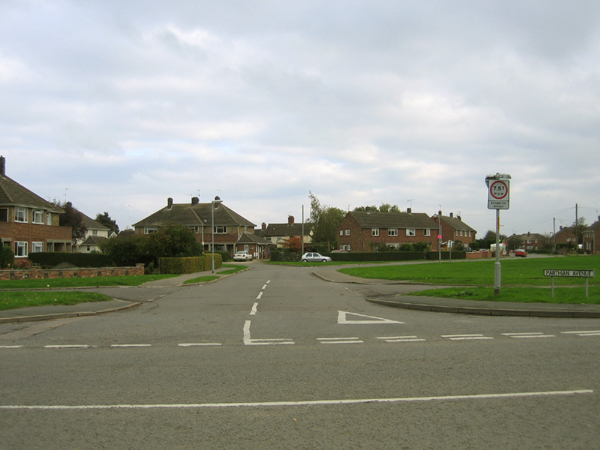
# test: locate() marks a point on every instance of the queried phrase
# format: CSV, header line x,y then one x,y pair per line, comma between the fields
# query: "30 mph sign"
x,y
498,194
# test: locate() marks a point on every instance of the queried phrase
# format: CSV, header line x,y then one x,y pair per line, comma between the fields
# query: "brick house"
x,y
279,233
229,225
532,241
565,237
454,229
28,223
364,231
590,238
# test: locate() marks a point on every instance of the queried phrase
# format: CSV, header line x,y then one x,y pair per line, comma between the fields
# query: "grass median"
x,y
522,279
131,280
20,299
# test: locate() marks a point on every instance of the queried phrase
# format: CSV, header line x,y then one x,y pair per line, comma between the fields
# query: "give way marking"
x,y
365,320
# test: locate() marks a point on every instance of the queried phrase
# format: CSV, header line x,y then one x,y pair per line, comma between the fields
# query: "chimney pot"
x,y
409,210
195,200
264,226
290,220
451,215
169,203
2,165
440,213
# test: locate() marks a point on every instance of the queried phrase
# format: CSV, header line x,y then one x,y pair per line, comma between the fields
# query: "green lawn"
x,y
131,280
515,272
20,299
233,268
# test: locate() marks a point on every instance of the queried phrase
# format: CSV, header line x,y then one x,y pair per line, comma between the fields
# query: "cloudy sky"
x,y
116,105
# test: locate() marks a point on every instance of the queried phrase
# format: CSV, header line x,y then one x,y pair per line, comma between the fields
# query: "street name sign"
x,y
569,273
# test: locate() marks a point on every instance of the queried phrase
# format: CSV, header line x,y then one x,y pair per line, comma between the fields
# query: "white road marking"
x,y
268,281
67,346
254,309
249,341
535,334
131,345
301,402
264,287
466,337
343,319
583,333
200,344
393,339
11,346
340,340
259,295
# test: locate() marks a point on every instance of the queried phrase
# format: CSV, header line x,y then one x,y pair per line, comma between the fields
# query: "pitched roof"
x,y
284,229
14,194
249,238
93,240
393,220
457,223
194,214
92,224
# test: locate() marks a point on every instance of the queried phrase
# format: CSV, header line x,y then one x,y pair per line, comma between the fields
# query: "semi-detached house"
x,y
28,223
364,231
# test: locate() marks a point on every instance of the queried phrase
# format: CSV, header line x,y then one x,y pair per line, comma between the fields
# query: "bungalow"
x,y
365,231
229,230
28,223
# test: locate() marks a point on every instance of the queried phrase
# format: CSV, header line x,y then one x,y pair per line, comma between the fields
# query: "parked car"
x,y
521,252
242,256
312,257
338,251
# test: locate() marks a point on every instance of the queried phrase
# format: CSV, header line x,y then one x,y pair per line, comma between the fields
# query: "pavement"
x,y
329,274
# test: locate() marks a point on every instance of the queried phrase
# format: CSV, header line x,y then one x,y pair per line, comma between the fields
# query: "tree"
x,y
578,228
514,242
384,208
173,240
325,220
126,249
294,243
72,218
105,220
490,235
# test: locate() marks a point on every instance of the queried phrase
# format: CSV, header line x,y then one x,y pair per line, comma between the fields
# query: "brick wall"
x,y
39,274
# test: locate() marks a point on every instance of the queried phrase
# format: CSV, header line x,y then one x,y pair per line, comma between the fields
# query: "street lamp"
x,y
216,201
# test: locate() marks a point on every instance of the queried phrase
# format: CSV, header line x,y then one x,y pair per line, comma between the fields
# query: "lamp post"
x,y
216,201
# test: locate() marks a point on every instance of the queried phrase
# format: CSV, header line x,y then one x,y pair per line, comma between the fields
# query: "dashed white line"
x,y
11,346
340,340
583,333
535,334
466,337
299,403
254,309
200,344
393,339
67,346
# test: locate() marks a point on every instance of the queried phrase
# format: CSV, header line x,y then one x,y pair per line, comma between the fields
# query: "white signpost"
x,y
498,198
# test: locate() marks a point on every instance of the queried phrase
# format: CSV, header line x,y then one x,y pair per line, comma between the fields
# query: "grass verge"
x,y
132,280
233,268
14,300
568,295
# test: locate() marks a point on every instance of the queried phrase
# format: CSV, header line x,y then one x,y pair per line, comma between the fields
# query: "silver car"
x,y
242,256
312,257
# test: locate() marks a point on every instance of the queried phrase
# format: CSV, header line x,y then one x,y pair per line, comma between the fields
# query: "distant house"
x,y
565,237
96,233
28,223
454,229
365,231
279,233
591,237
532,241
230,228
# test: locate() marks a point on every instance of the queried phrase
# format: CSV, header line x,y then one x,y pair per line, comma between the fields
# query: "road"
x,y
275,358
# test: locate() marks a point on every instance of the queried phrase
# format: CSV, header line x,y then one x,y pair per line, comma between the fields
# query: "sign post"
x,y
498,198
587,274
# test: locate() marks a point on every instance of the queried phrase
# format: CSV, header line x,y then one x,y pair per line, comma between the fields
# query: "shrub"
x,y
51,259
192,264
285,255
7,257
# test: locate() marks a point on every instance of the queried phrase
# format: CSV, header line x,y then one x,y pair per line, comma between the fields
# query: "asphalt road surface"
x,y
275,358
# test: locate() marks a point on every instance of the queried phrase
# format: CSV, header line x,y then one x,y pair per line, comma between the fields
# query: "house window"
x,y
341,232
411,232
21,249
48,218
37,247
220,229
150,230
21,215
393,232
38,216
95,232
375,232
347,232
427,232
4,215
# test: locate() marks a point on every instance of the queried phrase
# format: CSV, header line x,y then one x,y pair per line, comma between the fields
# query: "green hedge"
x,y
7,257
51,259
284,255
191,264
377,256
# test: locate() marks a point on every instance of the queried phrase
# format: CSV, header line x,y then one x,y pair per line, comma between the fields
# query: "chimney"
x,y
440,213
264,226
290,220
195,200
451,215
169,203
368,209
2,165
459,218
409,210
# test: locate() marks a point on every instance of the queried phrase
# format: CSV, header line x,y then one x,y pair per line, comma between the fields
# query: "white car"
x,y
312,257
242,256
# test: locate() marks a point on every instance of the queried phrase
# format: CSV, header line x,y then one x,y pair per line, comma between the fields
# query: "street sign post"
x,y
498,198
587,274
